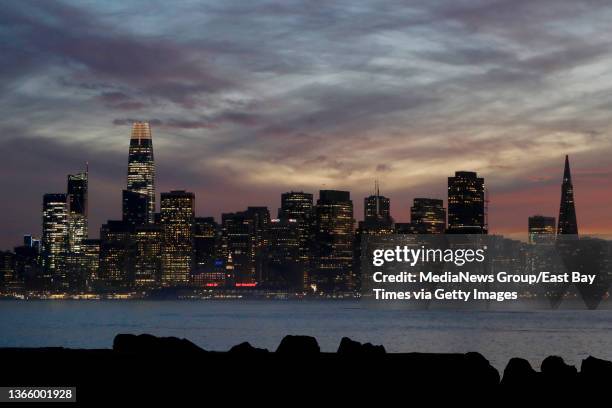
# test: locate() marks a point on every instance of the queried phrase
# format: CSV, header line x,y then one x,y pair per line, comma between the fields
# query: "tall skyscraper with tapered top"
x,y
567,208
141,166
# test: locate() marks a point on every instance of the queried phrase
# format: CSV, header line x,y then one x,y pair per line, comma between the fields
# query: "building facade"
x,y
91,261
237,244
377,209
54,238
541,229
135,208
116,251
299,206
568,224
177,216
205,243
283,268
147,255
77,199
466,204
141,165
334,242
428,216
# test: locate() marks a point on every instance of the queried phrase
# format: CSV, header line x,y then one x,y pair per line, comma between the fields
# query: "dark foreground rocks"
x,y
145,368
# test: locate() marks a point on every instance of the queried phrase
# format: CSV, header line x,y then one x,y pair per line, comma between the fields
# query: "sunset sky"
x,y
248,99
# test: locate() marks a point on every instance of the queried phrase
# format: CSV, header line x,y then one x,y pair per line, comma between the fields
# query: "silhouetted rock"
x,y
481,370
352,347
146,343
246,349
171,365
555,370
594,370
302,345
518,373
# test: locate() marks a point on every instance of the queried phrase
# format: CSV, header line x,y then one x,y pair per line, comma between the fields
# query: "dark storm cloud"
x,y
53,33
249,98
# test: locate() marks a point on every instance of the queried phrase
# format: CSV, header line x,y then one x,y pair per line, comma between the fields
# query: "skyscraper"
x,y
377,221
91,261
567,208
147,254
298,205
77,225
77,207
334,240
135,208
176,217
116,253
466,203
541,228
205,242
27,265
7,267
237,242
261,223
377,208
141,165
428,216
55,237
30,241
283,268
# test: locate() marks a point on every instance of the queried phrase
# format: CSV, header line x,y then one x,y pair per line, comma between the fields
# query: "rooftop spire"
x,y
567,207
566,172
141,130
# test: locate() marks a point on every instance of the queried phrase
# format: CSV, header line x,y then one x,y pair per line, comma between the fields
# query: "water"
x,y
218,325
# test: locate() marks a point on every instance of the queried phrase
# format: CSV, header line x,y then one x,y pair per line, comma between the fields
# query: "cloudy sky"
x,y
250,98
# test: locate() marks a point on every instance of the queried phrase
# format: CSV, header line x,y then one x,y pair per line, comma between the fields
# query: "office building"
x,y
466,204
237,244
115,269
54,238
147,255
205,243
568,225
299,206
141,165
377,209
334,242
541,229
176,218
428,216
135,208
282,266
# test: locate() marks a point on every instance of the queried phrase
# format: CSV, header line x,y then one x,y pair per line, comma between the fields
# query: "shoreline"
x,y
137,362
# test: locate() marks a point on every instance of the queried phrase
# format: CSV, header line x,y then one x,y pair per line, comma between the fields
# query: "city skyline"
x,y
255,99
312,247
141,190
